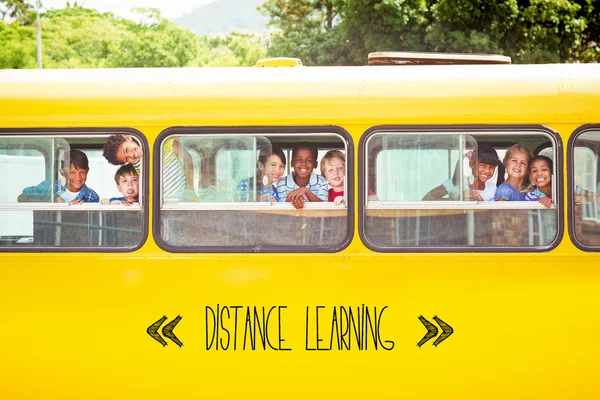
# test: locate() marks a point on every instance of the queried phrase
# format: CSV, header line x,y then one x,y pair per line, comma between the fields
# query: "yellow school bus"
x,y
384,295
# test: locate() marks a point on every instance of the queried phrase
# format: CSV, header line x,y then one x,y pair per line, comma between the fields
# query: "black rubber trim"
x,y
263,131
466,129
66,132
571,185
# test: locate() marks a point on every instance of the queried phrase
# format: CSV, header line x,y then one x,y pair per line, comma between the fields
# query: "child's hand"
x,y
338,200
129,201
80,201
296,197
546,202
105,201
472,195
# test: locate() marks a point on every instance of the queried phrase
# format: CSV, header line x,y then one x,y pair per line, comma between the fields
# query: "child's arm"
x,y
40,192
436,194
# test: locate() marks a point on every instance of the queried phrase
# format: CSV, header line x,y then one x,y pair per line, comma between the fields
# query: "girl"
x,y
540,173
483,163
516,160
270,168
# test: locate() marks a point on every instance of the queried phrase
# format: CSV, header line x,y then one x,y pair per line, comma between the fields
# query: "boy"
x,y
70,188
333,168
127,180
121,149
302,184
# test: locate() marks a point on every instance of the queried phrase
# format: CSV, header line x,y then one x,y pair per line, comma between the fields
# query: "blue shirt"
x,y
509,193
243,191
316,184
43,192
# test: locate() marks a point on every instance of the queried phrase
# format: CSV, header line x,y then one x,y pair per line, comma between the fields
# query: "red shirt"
x,y
331,195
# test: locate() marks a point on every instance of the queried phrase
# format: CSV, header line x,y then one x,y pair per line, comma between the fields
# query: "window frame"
x,y
571,185
252,131
474,129
90,132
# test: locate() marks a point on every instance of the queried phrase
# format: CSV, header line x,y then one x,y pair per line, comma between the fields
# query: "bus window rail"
x,y
457,205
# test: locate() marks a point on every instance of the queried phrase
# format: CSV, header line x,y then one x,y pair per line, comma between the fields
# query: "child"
x,y
333,168
120,149
271,166
483,163
303,184
70,188
127,180
516,161
540,173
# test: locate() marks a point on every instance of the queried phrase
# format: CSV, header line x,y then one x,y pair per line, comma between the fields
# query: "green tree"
x,y
385,25
307,29
530,31
18,46
154,42
78,37
589,47
233,50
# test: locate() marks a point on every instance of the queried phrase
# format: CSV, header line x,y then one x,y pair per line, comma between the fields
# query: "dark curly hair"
x,y
111,145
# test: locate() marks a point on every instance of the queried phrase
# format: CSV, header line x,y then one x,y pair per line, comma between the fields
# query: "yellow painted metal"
x,y
279,62
74,325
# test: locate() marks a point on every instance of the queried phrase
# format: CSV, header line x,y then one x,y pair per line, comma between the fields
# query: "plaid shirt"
x,y
43,192
316,184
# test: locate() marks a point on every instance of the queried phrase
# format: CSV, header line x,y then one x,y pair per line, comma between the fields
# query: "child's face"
x,y
516,164
335,172
128,185
129,151
540,173
273,168
303,163
485,172
76,178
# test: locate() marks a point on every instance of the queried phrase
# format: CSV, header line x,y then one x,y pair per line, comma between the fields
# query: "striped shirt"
x,y
173,174
316,184
534,195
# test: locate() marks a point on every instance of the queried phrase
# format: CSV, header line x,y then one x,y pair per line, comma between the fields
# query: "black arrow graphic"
x,y
168,331
432,331
446,331
153,331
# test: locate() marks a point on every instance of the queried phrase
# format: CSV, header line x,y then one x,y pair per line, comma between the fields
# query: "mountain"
x,y
223,16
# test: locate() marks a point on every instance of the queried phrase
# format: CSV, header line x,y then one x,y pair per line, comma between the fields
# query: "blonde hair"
x,y
330,155
526,186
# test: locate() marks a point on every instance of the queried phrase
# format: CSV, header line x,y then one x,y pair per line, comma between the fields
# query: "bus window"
x,y
236,205
586,183
38,204
426,201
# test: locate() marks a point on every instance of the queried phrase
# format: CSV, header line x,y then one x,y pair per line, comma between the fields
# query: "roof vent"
x,y
279,62
413,58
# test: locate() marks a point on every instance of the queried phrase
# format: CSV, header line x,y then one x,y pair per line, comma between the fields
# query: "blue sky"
x,y
169,8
